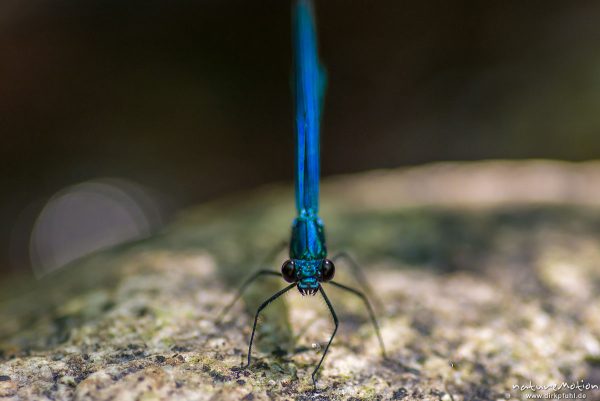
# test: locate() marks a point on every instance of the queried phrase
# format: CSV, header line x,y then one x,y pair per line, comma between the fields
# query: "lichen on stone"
x,y
473,301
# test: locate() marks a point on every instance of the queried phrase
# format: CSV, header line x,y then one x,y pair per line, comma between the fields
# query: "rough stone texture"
x,y
488,276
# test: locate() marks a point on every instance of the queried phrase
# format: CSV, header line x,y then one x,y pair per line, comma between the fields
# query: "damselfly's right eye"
x,y
288,270
327,270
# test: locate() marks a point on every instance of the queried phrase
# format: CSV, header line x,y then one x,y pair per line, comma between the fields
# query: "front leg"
x,y
336,321
263,272
260,308
360,277
243,288
369,309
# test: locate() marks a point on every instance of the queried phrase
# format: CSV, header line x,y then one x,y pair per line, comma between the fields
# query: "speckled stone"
x,y
478,291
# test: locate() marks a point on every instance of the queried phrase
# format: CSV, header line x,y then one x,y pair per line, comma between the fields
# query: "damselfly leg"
x,y
369,309
360,277
260,308
243,288
260,273
336,321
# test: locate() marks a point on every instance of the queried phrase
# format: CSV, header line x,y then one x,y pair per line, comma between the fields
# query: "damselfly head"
x,y
307,273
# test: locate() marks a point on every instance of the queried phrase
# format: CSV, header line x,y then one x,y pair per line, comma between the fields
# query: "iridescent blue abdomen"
x,y
309,83
307,247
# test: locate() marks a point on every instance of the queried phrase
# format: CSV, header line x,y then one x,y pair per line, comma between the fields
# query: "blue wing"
x,y
309,80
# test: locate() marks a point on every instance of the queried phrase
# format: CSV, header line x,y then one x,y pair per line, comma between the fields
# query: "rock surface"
x,y
487,274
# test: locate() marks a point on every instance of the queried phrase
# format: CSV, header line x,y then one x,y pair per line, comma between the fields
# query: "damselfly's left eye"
x,y
288,270
327,270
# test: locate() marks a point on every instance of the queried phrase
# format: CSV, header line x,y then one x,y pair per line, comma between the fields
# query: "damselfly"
x,y
308,266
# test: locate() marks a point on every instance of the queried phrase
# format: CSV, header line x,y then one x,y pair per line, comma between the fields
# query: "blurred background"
x,y
116,114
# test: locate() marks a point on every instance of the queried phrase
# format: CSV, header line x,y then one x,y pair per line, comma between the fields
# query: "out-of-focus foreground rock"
x,y
487,273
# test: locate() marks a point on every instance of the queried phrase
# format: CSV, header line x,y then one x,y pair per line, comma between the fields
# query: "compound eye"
x,y
327,270
288,270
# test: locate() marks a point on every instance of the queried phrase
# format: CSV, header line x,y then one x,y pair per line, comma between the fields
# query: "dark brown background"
x,y
192,98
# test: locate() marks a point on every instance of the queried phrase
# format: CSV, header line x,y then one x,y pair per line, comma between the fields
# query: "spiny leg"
x,y
335,320
270,256
260,308
360,276
369,309
243,288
